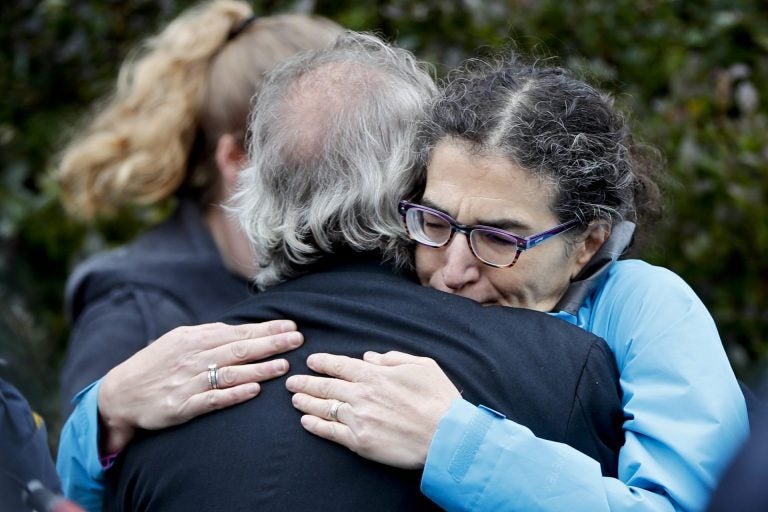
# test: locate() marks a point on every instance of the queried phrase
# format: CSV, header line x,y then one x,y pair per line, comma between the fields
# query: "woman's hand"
x,y
385,407
167,383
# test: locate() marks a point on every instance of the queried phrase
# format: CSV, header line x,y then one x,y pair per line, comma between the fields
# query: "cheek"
x,y
427,263
508,282
545,276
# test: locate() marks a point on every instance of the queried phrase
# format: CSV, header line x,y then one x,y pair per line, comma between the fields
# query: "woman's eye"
x,y
498,240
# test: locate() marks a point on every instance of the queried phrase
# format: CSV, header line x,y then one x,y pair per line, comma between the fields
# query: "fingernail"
x,y
291,382
295,339
286,326
281,365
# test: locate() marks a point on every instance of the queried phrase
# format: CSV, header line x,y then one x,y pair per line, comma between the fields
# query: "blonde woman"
x,y
174,127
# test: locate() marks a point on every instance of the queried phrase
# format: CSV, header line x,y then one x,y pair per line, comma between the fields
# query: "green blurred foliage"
x,y
694,74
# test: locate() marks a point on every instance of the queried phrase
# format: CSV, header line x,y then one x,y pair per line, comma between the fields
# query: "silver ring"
x,y
334,413
213,376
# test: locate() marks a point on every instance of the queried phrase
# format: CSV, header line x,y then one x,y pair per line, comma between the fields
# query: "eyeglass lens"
x,y
434,231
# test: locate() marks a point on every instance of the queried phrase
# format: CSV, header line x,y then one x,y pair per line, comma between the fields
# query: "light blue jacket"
x,y
685,415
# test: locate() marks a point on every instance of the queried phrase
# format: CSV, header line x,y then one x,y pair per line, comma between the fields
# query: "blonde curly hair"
x,y
175,97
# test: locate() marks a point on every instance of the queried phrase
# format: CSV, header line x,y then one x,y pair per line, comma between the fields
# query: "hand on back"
x,y
385,407
167,383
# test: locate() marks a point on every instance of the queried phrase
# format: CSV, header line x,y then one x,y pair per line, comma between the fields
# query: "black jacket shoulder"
x,y
177,258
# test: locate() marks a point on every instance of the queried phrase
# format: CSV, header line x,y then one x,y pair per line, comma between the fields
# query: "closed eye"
x,y
498,240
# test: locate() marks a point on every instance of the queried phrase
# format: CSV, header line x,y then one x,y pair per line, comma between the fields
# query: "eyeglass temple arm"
x,y
530,243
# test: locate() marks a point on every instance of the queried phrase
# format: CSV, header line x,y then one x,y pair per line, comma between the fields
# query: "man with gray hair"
x,y
331,154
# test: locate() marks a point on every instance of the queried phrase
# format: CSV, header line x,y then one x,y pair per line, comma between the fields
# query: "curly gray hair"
x,y
553,125
332,150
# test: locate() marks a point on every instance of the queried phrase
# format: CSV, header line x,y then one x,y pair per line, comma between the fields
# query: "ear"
x,y
230,158
593,239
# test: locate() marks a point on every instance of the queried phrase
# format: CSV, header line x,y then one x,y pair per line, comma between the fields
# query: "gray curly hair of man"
x,y
332,151
552,125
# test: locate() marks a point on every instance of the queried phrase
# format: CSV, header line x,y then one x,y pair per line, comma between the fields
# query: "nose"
x,y
461,267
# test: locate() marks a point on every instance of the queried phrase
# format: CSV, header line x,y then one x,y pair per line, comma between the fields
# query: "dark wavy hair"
x,y
553,125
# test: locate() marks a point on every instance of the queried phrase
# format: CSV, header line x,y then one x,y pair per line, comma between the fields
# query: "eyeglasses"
x,y
492,246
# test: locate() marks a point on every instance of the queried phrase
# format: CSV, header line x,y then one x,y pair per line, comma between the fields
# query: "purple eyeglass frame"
x,y
523,242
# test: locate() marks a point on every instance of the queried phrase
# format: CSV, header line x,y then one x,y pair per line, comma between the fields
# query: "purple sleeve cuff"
x,y
107,460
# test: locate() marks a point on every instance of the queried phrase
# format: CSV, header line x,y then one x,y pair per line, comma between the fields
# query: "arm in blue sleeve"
x,y
685,416
78,462
478,460
106,333
685,413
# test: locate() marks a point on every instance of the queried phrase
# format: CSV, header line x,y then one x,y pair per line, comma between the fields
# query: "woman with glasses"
x,y
528,196
174,128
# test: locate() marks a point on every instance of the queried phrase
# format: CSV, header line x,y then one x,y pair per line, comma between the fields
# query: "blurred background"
x,y
694,74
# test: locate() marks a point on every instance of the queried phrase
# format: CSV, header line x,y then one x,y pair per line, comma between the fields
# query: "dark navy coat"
x,y
555,378
24,453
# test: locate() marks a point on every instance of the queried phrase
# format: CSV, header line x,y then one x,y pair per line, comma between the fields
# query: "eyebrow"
x,y
505,224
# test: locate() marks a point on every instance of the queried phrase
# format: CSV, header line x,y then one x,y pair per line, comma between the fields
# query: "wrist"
x,y
113,440
115,429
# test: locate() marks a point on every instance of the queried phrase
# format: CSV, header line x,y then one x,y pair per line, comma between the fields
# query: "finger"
x,y
320,407
330,430
243,351
321,387
260,329
213,400
212,335
393,358
343,367
230,376
372,357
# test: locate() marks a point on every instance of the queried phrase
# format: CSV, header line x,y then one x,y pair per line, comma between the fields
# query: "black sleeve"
x,y
597,416
743,484
24,453
113,328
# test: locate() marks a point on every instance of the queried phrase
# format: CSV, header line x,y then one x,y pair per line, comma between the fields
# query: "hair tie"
x,y
240,28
